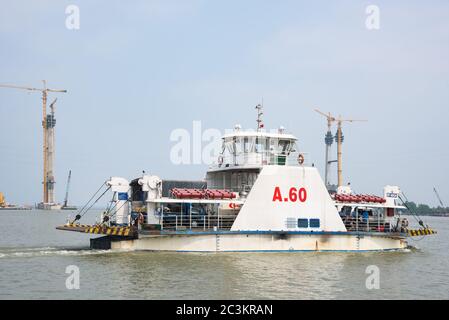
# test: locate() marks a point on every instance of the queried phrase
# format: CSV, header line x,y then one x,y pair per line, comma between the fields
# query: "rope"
x,y
109,207
116,203
78,217
81,210
118,208
414,214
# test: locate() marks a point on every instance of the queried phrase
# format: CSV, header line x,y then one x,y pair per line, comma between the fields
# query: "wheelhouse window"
x,y
230,146
246,145
261,144
238,145
256,148
285,146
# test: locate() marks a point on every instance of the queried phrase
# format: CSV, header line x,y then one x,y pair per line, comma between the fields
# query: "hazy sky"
x,y
137,70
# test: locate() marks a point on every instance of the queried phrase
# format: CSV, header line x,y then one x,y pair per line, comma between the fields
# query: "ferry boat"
x,y
261,195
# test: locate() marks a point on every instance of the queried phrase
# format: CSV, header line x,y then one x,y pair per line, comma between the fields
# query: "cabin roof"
x,y
252,133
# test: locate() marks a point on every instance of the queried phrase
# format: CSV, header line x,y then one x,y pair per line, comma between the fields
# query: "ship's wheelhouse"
x,y
243,155
255,148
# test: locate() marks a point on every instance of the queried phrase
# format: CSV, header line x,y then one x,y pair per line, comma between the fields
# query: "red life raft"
x,y
357,198
180,193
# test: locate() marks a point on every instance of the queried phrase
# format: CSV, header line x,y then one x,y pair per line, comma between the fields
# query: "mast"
x,y
259,120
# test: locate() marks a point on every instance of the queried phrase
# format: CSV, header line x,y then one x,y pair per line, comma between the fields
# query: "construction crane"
x,y
438,196
339,139
66,198
48,124
328,140
66,206
2,200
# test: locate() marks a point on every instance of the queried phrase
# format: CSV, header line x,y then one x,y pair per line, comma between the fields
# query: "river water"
x,y
34,257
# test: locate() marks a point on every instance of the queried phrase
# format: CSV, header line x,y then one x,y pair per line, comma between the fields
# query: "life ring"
x,y
300,158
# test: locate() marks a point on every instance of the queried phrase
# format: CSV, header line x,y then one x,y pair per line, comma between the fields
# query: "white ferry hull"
x,y
262,243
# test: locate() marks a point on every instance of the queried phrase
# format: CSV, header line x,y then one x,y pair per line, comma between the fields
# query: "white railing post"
x,y
378,220
162,217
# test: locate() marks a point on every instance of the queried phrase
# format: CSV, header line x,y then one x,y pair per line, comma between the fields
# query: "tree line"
x,y
424,209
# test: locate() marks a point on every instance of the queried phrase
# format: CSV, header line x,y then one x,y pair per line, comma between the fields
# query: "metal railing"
x,y
197,222
371,224
263,158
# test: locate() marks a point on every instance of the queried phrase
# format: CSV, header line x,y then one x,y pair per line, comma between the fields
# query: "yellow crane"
x,y
2,200
48,123
339,138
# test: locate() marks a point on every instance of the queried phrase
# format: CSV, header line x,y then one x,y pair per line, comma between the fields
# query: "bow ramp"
x,y
125,232
421,232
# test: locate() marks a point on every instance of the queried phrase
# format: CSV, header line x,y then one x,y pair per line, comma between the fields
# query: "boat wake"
x,y
412,248
52,251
